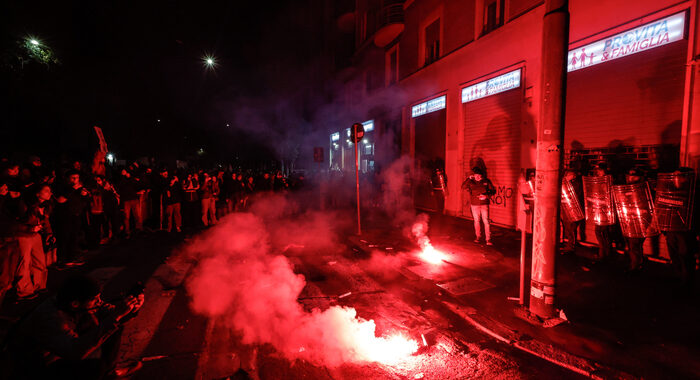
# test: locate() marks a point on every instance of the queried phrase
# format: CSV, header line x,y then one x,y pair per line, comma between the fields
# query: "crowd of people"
x,y
53,215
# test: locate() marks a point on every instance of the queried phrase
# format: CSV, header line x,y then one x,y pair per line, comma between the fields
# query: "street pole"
x,y
523,254
550,134
357,183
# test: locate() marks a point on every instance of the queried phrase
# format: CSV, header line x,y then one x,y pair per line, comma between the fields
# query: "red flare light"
x,y
431,255
390,350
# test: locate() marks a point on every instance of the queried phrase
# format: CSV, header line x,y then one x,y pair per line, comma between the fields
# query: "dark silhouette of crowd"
x,y
53,215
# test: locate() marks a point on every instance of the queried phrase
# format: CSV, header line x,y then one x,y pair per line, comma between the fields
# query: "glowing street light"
x,y
34,42
209,61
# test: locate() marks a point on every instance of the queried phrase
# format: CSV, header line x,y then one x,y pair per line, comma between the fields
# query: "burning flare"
x,y
428,253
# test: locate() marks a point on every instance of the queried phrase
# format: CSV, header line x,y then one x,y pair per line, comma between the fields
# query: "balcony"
x,y
390,23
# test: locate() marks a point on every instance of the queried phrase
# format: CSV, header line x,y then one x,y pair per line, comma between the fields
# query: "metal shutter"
x,y
632,101
636,100
430,130
492,135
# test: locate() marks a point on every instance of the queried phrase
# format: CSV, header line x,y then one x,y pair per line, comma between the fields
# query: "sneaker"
x,y
488,242
476,241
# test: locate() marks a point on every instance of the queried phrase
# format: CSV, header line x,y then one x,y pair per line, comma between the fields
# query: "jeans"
x,y
172,214
132,207
9,258
31,271
208,211
481,213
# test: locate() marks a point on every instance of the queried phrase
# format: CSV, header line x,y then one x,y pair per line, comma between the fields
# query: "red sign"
x,y
318,154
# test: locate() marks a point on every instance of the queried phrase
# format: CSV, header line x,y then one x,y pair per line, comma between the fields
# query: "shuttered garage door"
x,y
636,100
633,101
492,136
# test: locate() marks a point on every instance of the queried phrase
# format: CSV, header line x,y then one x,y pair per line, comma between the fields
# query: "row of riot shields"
x,y
640,215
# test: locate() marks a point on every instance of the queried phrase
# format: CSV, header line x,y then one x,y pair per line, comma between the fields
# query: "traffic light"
x,y
358,132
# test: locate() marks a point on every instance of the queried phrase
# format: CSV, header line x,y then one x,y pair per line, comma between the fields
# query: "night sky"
x,y
126,65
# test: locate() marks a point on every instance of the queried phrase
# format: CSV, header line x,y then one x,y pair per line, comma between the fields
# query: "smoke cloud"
x,y
242,279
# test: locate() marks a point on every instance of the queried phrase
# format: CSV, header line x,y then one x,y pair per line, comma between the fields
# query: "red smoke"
x,y
242,279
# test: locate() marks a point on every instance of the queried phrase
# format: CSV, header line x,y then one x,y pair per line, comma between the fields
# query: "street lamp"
x,y
209,61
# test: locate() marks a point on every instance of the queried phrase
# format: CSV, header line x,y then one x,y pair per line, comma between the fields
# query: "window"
x,y
494,14
392,66
432,42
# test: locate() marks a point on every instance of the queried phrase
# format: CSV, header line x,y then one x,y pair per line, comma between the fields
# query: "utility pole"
x,y
357,133
550,138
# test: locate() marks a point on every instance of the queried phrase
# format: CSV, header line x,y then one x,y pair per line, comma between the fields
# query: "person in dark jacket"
x,y
73,201
129,188
97,220
172,201
34,219
207,194
9,248
74,335
480,189
190,206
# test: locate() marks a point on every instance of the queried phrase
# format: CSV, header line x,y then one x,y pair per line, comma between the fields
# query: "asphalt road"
x,y
176,343
173,342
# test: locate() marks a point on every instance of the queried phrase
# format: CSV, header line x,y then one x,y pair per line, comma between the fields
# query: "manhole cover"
x,y
465,285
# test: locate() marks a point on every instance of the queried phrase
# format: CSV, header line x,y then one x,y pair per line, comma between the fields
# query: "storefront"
x,y
491,112
625,93
366,148
336,153
429,122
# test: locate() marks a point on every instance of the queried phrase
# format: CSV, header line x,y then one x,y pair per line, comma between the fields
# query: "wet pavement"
x,y
457,311
175,343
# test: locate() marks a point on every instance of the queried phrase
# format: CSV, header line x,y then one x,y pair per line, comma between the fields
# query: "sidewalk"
x,y
618,326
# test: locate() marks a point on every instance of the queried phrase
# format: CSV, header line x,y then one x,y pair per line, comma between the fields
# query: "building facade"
x,y
457,83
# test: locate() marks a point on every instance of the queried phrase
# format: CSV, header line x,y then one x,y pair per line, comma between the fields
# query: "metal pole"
x,y
357,183
550,134
523,249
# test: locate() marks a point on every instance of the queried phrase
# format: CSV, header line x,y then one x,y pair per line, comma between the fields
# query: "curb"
x,y
505,334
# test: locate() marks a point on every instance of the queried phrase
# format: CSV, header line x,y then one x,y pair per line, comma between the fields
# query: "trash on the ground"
x,y
332,262
152,358
425,343
344,295
389,248
562,315
552,322
372,245
364,241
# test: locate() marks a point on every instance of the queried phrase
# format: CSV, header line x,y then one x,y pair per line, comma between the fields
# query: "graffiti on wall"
x,y
503,196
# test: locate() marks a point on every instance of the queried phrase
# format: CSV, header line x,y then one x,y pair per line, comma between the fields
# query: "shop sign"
x,y
501,83
369,125
429,106
335,136
648,36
